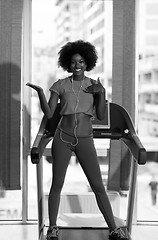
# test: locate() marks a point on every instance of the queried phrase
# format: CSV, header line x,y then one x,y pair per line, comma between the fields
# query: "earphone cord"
x,y
75,111
74,131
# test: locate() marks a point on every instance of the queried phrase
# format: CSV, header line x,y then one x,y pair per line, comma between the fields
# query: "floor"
x,y
30,232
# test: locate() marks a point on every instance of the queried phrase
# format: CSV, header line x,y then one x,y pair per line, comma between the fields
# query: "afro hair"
x,y
85,49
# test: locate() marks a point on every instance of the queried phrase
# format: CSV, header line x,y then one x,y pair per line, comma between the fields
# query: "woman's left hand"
x,y
96,87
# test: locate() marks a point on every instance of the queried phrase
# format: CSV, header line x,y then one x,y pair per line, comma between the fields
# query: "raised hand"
x,y
96,87
35,87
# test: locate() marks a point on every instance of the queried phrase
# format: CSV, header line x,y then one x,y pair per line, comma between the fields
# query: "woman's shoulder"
x,y
60,81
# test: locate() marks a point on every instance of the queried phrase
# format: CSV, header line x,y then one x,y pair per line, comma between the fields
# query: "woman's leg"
x,y
61,154
87,156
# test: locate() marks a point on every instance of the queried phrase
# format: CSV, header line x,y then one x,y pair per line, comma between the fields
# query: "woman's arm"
x,y
99,102
98,91
49,107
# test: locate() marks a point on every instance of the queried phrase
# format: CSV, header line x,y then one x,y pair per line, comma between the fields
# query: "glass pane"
x,y
147,192
10,205
60,23
148,113
32,191
50,32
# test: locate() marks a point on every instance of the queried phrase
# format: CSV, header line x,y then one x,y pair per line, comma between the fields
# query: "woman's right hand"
x,y
35,87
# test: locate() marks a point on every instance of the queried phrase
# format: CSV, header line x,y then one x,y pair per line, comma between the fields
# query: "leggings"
x,y
86,153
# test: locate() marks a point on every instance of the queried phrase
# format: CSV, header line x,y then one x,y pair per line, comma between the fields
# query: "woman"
x,y
79,96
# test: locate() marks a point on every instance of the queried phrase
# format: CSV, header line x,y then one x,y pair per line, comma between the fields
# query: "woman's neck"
x,y
78,78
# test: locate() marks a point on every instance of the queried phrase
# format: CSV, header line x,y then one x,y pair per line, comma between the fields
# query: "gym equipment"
x,y
117,125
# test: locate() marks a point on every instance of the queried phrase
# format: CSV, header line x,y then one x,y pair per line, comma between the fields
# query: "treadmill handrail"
x,y
121,127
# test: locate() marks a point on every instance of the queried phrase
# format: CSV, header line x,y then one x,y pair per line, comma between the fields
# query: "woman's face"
x,y
78,64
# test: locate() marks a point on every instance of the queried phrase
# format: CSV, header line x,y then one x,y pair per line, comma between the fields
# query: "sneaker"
x,y
119,234
52,233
